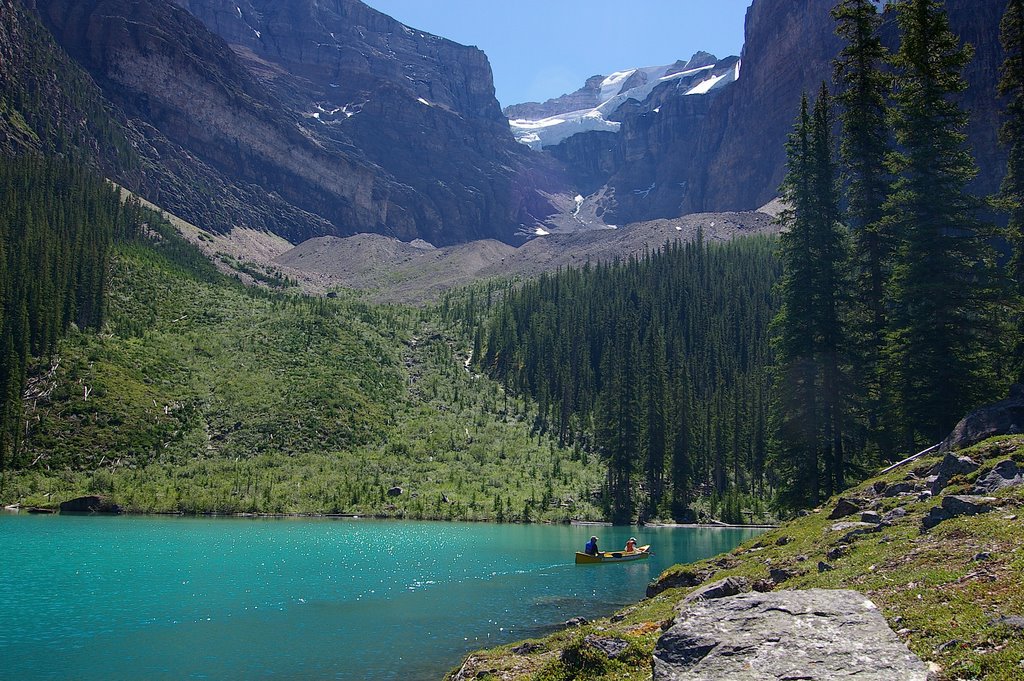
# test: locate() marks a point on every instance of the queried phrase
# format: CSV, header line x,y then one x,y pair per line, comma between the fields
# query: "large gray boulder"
x,y
1004,474
1001,418
815,635
948,468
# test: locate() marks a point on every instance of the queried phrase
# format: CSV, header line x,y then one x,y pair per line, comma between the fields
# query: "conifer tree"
x,y
862,91
1011,85
681,469
655,425
830,253
798,414
940,293
810,381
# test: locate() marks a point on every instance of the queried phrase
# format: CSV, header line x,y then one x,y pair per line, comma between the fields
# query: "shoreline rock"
x,y
815,634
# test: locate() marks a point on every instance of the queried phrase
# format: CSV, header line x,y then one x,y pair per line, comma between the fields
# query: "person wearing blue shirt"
x,y
591,548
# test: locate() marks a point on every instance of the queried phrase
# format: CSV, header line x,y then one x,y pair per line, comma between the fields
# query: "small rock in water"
x,y
576,622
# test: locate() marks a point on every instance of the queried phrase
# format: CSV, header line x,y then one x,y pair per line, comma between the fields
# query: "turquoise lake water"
x,y
195,598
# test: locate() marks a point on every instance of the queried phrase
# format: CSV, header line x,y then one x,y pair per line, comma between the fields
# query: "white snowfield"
x,y
548,131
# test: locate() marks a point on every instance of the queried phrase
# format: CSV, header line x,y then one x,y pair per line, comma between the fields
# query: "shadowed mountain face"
x,y
323,117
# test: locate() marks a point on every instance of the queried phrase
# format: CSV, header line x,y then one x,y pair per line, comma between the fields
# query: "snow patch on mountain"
x,y
701,75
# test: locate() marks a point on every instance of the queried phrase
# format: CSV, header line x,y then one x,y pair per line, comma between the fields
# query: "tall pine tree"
x,y
798,415
862,90
810,390
829,248
1011,85
940,293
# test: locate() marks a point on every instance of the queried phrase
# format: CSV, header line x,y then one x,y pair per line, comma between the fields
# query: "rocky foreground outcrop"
x,y
948,589
1001,418
817,635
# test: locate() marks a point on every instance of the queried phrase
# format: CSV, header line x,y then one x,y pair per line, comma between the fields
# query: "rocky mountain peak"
x,y
319,41
674,154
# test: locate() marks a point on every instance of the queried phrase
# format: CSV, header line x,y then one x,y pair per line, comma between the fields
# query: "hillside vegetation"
x,y
202,395
952,592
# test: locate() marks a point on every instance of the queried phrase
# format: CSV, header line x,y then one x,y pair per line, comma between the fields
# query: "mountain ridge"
x,y
303,161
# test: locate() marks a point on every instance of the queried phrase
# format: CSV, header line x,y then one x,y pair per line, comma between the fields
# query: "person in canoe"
x,y
591,548
631,545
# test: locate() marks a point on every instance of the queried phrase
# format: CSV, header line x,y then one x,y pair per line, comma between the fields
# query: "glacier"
x,y
695,77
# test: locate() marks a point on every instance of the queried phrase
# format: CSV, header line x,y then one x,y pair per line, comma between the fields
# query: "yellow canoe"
x,y
614,556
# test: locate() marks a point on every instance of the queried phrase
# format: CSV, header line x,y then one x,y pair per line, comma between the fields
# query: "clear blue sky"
x,y
543,48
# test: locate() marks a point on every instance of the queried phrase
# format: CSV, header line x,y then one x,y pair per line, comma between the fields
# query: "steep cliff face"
x,y
407,100
740,157
317,118
789,49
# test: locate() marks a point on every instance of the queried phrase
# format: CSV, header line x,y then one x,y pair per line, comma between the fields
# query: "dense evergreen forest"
x,y
58,223
659,364
897,317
